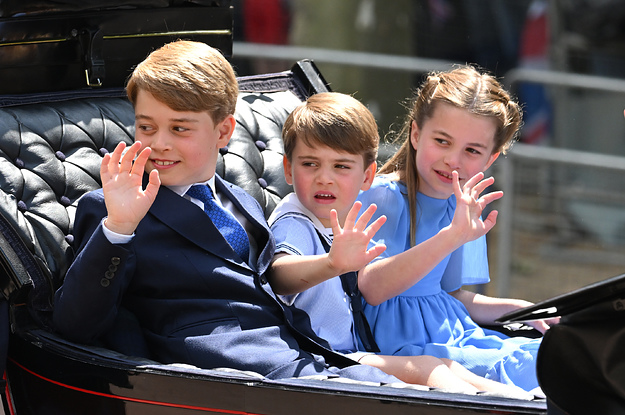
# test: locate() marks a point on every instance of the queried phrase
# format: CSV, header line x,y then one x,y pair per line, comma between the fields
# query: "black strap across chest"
x,y
349,281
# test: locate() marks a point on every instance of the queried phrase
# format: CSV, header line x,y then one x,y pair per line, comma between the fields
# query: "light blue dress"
x,y
425,319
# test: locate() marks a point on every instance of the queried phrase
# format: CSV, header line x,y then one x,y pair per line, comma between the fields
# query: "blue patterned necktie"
x,y
223,220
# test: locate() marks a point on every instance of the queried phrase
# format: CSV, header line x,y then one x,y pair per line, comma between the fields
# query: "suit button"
x,y
115,260
109,275
104,282
112,268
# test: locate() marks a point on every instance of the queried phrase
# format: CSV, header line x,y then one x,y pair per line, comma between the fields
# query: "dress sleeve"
x,y
468,265
390,201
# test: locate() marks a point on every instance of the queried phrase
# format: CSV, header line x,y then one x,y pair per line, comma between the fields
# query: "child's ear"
x,y
369,176
491,160
226,129
414,134
288,173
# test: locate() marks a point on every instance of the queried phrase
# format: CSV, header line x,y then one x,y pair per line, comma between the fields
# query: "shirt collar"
x,y
182,190
291,203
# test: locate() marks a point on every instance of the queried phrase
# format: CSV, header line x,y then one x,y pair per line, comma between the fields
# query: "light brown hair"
x,y
335,120
187,76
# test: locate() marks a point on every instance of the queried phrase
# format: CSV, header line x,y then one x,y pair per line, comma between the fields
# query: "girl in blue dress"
x,y
459,123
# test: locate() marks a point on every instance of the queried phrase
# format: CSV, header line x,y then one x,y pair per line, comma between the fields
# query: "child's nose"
x,y
452,159
160,140
324,176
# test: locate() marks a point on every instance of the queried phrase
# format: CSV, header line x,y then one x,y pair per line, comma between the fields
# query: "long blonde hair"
x,y
463,87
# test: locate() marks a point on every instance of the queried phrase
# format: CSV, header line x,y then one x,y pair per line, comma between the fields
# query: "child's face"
x,y
452,139
326,179
184,144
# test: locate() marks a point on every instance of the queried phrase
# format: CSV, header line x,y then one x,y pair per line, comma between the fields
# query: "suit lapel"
x,y
191,222
254,214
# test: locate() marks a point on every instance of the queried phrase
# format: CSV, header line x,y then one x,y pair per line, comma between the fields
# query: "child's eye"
x,y
145,128
441,141
308,164
180,129
342,166
473,151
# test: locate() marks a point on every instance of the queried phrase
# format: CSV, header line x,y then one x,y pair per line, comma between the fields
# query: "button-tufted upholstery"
x,y
50,155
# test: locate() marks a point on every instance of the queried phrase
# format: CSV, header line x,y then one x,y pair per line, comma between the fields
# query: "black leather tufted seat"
x,y
50,154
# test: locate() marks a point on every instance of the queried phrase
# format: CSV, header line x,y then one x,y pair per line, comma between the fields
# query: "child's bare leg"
x,y
421,370
481,383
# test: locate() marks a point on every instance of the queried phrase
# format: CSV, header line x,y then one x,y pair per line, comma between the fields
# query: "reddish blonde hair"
x,y
187,76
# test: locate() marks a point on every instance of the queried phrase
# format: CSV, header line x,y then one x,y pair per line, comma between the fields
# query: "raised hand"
x,y
467,219
349,248
126,200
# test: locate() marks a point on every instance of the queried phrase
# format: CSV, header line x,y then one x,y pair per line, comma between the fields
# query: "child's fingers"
x,y
375,251
482,185
116,155
539,325
375,226
473,180
490,221
456,184
366,216
104,166
129,156
350,220
110,161
551,321
153,184
491,197
334,222
138,167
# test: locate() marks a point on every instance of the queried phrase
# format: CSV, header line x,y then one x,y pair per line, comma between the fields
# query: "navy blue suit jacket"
x,y
196,301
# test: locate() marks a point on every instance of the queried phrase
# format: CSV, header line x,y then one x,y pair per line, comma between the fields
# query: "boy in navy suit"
x,y
146,244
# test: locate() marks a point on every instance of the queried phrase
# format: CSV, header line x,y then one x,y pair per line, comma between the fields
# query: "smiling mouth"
x,y
163,163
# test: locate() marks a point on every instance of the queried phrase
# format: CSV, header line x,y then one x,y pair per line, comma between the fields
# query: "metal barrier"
x,y
580,102
505,175
563,79
339,57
